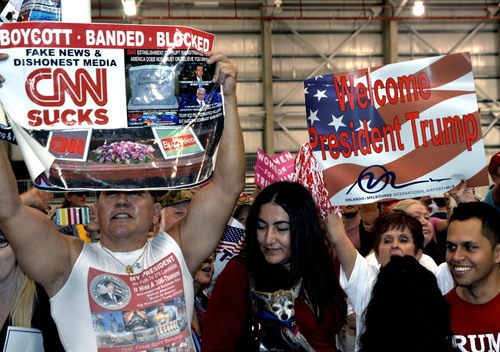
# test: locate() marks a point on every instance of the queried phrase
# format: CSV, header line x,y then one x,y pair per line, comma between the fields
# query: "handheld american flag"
x,y
233,239
230,245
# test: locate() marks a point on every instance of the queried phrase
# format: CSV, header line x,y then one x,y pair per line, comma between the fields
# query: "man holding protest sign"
x,y
146,273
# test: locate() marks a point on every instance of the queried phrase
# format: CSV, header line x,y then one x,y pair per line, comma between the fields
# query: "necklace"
x,y
129,269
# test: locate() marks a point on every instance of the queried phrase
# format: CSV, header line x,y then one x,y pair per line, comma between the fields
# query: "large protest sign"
x,y
397,131
101,106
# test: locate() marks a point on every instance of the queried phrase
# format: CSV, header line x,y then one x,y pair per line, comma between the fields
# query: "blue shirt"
x,y
489,200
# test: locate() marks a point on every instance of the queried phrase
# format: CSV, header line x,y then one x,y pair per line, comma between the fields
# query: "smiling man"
x,y
145,272
473,256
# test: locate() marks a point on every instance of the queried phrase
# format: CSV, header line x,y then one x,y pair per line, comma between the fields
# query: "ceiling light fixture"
x,y
129,7
278,9
206,3
418,8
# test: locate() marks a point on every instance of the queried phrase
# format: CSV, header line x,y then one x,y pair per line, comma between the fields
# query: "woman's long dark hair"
x,y
407,311
310,259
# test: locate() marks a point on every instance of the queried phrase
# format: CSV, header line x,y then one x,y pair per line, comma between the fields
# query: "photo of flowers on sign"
x,y
124,152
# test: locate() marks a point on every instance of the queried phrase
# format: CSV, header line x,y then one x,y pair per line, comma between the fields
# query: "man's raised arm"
x,y
43,253
212,206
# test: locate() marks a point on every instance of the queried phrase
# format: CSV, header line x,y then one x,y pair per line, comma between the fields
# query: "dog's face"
x,y
281,303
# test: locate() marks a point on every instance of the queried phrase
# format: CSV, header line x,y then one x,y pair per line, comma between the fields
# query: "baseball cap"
x,y
244,200
176,196
494,162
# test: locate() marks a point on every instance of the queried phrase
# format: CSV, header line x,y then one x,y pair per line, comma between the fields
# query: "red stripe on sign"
x,y
340,176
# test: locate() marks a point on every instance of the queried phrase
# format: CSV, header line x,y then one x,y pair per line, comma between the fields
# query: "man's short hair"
x,y
489,217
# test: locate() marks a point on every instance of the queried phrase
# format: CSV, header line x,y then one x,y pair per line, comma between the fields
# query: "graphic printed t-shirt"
x,y
475,327
102,308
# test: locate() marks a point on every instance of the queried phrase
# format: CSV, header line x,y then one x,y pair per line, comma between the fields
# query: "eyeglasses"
x,y
80,194
3,242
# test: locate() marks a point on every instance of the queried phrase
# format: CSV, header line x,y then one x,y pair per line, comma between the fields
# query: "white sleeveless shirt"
x,y
148,309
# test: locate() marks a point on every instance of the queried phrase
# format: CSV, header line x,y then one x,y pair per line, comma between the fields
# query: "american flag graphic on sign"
x,y
397,131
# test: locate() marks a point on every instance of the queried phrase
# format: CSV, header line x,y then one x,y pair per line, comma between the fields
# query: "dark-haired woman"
x,y
285,243
407,305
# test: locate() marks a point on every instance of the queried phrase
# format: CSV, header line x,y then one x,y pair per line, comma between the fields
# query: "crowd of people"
x,y
387,274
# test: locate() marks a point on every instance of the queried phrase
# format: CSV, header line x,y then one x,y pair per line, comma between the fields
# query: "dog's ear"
x,y
265,296
296,289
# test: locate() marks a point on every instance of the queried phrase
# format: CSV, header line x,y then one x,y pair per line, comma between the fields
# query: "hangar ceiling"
x,y
279,43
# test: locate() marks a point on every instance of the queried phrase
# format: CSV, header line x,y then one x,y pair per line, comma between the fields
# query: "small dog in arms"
x,y
282,304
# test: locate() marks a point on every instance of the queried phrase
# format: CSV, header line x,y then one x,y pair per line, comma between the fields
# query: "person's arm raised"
x,y
211,207
42,252
37,199
345,250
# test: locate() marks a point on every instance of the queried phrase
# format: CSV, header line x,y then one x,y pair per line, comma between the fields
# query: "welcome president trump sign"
x,y
398,131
